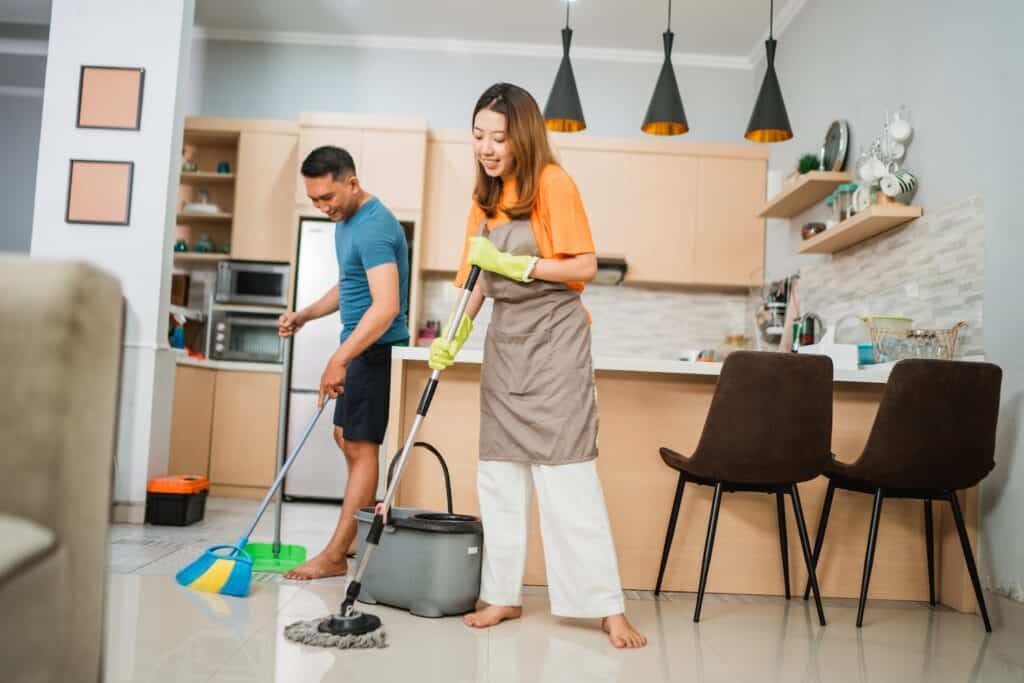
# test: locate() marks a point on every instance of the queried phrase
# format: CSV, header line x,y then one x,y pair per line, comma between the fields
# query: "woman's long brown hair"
x,y
528,139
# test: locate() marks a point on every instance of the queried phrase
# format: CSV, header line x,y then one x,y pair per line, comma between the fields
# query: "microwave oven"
x,y
255,283
243,335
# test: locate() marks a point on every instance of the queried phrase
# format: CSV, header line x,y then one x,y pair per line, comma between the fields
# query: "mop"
x,y
227,569
350,628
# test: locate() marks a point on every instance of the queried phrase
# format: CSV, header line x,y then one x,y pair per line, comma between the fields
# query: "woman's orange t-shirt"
x,y
559,221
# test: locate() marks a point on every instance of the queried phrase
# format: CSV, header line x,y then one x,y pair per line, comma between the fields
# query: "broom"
x,y
227,569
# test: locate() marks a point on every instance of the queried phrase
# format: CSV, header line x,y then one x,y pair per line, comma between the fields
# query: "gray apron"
x,y
538,402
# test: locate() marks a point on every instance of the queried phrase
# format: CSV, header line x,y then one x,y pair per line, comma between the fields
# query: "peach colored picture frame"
x,y
110,97
100,192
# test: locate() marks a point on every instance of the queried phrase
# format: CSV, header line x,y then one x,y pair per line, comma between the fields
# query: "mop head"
x,y
336,631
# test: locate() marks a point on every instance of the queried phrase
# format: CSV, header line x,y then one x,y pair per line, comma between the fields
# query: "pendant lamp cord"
x,y
670,16
771,18
567,5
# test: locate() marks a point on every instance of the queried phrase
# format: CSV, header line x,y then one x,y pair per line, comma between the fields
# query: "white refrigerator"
x,y
320,471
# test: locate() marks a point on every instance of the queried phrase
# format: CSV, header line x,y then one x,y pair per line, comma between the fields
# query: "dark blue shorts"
x,y
362,410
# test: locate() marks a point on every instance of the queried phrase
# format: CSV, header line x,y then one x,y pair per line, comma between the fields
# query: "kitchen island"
x,y
646,404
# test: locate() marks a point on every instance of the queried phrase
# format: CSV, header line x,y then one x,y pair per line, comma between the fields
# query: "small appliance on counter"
x,y
253,283
244,335
770,316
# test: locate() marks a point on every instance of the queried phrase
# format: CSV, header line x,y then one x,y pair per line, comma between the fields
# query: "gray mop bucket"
x,y
427,562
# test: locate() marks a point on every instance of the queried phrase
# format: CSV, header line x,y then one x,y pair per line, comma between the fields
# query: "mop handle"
x,y
373,535
428,391
280,475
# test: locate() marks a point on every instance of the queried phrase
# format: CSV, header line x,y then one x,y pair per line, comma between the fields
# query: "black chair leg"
x,y
783,541
670,534
965,543
709,545
869,557
819,537
929,538
805,542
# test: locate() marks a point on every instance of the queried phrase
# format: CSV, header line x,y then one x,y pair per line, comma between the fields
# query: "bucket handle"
x,y
440,459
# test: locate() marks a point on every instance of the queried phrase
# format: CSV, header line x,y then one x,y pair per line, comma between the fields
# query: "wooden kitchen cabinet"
x,y
243,444
264,227
662,221
349,139
191,421
392,167
450,177
730,235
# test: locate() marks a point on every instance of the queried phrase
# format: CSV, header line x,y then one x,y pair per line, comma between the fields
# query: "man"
x,y
373,272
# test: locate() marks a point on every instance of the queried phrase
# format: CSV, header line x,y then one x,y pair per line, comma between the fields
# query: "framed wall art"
x,y
110,97
99,192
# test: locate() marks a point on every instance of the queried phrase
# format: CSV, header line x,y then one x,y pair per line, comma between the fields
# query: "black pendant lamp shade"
x,y
769,121
665,115
563,113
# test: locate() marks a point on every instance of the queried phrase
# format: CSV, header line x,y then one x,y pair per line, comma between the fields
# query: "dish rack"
x,y
889,344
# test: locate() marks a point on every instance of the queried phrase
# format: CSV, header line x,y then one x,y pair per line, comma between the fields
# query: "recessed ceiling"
x,y
712,27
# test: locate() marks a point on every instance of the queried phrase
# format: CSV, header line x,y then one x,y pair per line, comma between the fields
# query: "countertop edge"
x,y
235,366
649,365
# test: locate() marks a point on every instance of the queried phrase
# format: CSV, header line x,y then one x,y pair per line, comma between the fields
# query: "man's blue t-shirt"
x,y
372,237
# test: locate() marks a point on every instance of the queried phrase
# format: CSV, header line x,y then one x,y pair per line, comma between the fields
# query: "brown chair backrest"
x,y
936,426
770,420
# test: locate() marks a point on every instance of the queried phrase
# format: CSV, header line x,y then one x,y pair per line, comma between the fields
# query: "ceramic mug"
x,y
900,182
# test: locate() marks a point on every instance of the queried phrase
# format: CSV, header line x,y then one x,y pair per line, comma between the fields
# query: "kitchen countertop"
x,y
877,375
239,366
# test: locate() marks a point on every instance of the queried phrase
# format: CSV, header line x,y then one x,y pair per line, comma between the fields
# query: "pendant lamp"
x,y
563,113
769,122
665,115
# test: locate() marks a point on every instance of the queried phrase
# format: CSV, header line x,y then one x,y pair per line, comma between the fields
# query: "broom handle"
x,y
282,432
281,474
373,536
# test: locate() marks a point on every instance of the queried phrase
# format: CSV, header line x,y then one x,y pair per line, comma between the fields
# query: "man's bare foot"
x,y
620,633
320,567
491,615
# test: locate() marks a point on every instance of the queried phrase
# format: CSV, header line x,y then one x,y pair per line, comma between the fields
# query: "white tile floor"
x,y
158,631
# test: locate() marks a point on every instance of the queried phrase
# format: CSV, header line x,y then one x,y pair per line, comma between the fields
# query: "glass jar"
x,y
833,208
844,201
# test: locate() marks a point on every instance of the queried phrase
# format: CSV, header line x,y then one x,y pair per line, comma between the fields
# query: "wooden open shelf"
x,y
812,187
207,177
875,220
197,217
198,257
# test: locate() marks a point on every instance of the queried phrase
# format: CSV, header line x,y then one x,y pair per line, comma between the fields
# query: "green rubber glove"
x,y
483,253
442,352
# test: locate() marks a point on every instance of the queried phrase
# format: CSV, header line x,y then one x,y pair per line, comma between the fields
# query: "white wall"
x,y
150,35
958,69
260,80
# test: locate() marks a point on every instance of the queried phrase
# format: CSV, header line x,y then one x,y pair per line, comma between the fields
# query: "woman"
x,y
529,234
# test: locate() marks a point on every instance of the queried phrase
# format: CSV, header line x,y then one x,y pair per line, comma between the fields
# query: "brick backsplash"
x,y
931,270
629,321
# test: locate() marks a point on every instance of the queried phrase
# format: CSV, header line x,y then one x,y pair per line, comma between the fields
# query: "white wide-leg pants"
x,y
582,570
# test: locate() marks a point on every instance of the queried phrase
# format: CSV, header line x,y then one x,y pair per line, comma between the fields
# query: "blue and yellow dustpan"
x,y
227,569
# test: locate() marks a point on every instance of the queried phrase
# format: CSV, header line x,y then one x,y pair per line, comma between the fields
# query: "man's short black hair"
x,y
329,159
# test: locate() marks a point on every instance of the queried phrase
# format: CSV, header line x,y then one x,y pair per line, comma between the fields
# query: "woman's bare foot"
x,y
620,633
491,616
320,567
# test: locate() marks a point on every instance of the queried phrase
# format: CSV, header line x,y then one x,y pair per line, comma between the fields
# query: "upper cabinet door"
x,y
730,236
349,139
392,167
602,182
451,174
660,192
264,227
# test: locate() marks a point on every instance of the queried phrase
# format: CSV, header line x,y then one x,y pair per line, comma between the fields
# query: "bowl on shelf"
x,y
811,229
